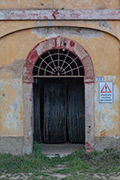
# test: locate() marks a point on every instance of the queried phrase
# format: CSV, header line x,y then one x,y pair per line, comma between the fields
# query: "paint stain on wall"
x,y
103,133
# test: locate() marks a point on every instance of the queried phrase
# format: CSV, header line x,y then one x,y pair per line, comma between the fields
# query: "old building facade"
x,y
59,73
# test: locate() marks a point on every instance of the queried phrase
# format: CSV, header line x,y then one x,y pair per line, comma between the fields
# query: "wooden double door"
x,y
59,114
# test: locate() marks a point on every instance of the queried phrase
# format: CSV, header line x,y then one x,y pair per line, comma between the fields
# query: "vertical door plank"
x,y
36,97
76,112
54,113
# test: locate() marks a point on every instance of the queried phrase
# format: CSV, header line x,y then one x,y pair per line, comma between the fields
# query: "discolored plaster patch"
x,y
13,145
11,105
13,70
102,143
67,32
105,24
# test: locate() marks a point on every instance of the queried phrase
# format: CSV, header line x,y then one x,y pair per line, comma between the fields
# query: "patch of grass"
x,y
27,163
75,164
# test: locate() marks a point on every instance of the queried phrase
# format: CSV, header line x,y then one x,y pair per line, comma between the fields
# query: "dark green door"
x,y
59,114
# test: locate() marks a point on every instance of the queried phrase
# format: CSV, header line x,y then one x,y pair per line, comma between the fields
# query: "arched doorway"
x,y
58,88
48,46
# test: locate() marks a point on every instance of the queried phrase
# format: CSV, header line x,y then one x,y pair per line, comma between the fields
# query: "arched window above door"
x,y
58,62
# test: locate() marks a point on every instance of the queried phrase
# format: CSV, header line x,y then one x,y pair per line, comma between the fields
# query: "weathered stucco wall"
x,y
11,101
104,51
111,27
57,4
11,107
101,41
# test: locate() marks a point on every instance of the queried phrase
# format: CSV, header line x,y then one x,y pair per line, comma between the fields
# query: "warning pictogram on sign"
x,y
105,89
105,92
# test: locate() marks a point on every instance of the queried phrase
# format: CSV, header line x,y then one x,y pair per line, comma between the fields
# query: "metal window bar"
x,y
67,66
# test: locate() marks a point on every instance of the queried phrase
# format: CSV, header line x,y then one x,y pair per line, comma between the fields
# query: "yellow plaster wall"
x,y
14,48
58,4
111,27
87,4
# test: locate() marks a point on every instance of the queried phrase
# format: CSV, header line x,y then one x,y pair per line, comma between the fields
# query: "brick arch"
x,y
58,42
52,43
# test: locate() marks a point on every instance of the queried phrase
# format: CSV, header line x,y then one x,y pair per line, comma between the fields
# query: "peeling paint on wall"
x,y
66,32
11,108
13,70
10,26
105,24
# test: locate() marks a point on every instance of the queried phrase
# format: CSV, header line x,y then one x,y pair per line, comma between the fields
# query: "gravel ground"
x,y
49,175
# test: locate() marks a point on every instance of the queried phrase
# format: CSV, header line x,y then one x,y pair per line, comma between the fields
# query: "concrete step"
x,y
52,150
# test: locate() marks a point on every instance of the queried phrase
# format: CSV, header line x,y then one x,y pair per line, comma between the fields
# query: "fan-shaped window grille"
x,y
58,62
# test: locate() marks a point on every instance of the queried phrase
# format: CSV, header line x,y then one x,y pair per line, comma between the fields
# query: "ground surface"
x,y
78,165
50,174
